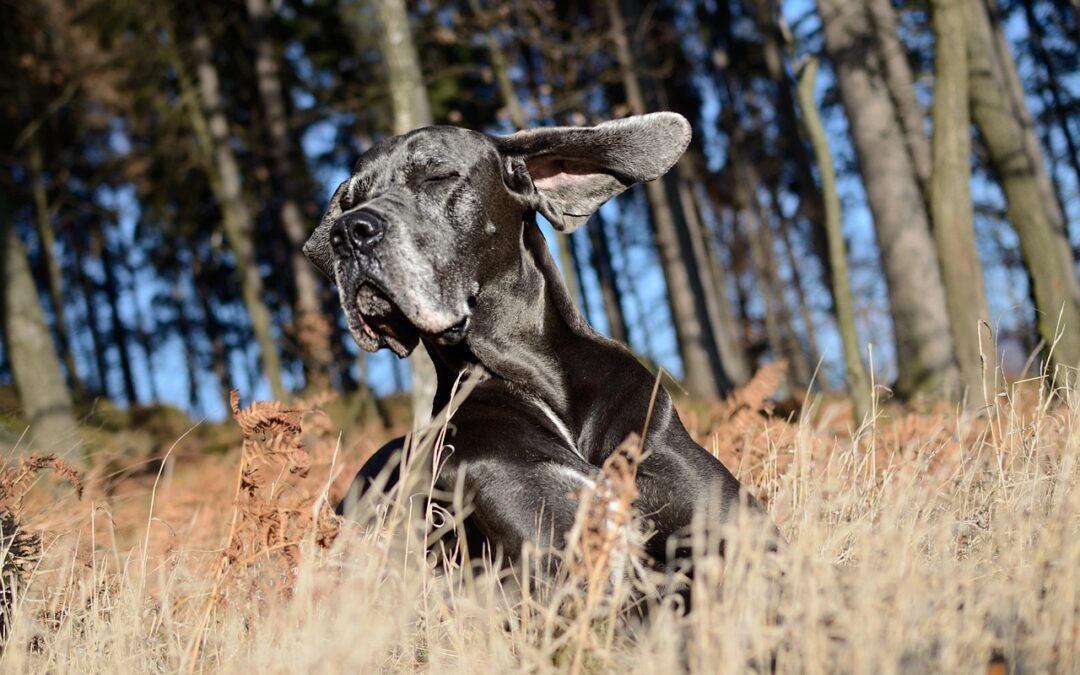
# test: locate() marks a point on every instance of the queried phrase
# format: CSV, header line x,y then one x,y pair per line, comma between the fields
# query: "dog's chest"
x,y
560,425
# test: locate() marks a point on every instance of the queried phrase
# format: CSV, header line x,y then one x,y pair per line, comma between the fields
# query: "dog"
x,y
433,239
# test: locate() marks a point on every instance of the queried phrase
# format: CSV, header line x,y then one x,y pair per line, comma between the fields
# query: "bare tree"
x,y
206,114
950,200
312,329
120,332
901,85
411,110
855,373
605,274
518,118
924,346
43,395
1005,126
778,324
1060,101
702,371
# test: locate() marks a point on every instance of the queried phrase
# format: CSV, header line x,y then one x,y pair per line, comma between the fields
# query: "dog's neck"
x,y
525,329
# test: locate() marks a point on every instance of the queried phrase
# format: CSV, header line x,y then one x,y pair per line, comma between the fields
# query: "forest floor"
x,y
924,540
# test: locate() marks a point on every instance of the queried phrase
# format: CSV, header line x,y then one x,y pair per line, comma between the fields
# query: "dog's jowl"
x,y
434,239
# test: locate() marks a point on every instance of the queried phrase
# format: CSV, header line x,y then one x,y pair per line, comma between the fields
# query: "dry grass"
x,y
923,541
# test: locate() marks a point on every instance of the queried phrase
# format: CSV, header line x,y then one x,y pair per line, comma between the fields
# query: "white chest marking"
x,y
560,426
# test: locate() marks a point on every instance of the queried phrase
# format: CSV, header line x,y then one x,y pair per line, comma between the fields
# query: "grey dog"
x,y
433,238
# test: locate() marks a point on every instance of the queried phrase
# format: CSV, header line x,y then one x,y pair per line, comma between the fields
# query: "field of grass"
x,y
925,540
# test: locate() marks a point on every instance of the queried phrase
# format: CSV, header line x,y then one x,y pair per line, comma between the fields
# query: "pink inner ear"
x,y
552,173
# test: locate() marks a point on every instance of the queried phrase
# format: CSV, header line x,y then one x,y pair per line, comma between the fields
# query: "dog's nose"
x,y
359,229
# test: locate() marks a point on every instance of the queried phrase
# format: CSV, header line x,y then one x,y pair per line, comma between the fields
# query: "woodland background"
x,y
164,162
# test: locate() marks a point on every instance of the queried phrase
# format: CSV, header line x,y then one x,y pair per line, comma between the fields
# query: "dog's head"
x,y
427,217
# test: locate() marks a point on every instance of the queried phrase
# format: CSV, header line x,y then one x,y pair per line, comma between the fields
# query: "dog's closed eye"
x,y
438,178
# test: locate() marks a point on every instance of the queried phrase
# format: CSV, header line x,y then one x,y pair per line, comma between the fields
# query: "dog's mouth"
x,y
376,321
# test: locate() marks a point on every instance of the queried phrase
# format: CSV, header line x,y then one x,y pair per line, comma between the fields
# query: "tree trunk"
x,y
519,121
701,367
183,326
624,242
713,290
43,220
901,84
855,373
119,328
792,139
605,273
950,203
579,277
1003,122
732,349
97,346
500,69
778,324
1014,90
924,348
44,397
1058,105
236,216
219,352
312,328
411,110
142,337
797,283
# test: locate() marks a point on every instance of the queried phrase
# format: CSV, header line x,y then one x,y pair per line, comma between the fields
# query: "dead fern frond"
x,y
600,540
754,395
21,548
271,431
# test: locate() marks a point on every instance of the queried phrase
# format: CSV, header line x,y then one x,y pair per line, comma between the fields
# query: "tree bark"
x,y
797,283
97,346
312,328
713,289
624,242
792,138
579,277
924,347
142,337
1014,90
1004,125
213,127
183,326
605,273
701,368
219,352
898,78
411,110
43,395
519,121
1052,85
43,219
950,203
732,349
855,372
778,324
119,328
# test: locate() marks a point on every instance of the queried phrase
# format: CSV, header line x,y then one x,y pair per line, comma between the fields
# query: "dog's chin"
x,y
376,321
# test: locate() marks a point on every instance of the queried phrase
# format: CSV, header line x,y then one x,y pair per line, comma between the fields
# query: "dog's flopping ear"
x,y
317,248
576,169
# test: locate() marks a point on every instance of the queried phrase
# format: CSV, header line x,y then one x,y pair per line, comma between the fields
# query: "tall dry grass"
x,y
926,541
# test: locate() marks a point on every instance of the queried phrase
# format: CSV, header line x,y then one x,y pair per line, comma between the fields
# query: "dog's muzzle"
x,y
374,317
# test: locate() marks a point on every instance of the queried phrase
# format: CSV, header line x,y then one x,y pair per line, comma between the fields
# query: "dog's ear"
x,y
317,248
576,169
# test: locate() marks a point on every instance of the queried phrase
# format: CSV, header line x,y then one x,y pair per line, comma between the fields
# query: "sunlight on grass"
x,y
922,542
